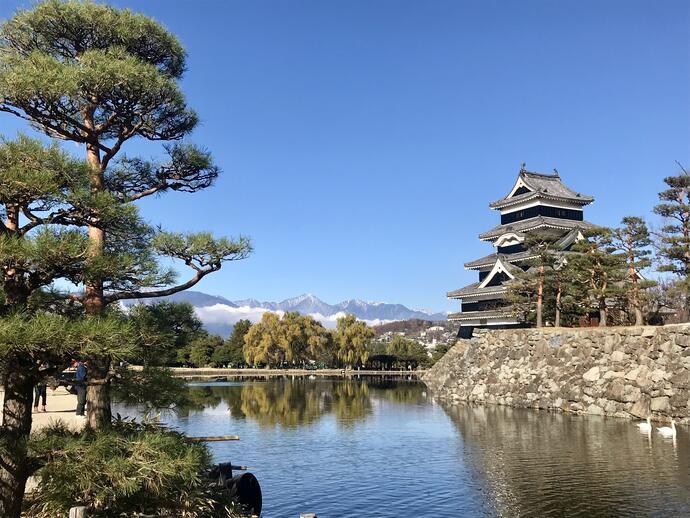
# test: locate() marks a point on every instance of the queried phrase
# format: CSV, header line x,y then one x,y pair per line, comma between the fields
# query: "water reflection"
x,y
544,464
299,401
381,448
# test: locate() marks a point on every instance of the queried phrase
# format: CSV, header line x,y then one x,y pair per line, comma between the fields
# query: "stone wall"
x,y
623,371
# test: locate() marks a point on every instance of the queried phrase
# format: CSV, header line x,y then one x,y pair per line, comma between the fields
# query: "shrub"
x,y
127,469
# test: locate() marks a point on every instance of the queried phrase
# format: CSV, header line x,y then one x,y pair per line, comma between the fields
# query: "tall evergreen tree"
x,y
563,298
673,242
100,77
521,296
633,242
526,293
542,248
36,184
597,268
231,352
165,331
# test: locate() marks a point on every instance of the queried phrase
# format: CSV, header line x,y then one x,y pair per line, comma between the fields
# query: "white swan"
x,y
645,426
668,431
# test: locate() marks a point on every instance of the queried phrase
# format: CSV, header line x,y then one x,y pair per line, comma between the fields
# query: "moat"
x,y
379,447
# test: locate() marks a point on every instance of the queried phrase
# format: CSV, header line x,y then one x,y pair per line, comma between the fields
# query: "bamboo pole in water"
x,y
214,438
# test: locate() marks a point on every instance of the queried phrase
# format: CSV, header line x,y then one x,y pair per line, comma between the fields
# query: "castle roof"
x,y
531,185
489,260
483,287
473,290
527,225
485,314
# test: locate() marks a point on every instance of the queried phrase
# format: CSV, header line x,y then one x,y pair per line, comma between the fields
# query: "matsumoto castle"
x,y
536,202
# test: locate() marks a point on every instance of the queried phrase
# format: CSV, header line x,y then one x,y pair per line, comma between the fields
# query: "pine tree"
x,y
673,241
100,77
36,184
542,248
633,242
165,330
231,351
526,293
598,269
521,296
565,299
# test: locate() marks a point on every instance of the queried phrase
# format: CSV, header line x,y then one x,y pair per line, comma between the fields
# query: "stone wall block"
x,y
660,404
615,390
592,374
681,379
681,401
619,356
641,408
632,374
682,340
631,394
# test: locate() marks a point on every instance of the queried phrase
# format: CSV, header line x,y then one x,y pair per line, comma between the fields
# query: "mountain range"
x,y
310,304
220,314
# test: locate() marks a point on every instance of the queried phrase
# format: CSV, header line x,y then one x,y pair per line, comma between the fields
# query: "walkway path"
x,y
61,407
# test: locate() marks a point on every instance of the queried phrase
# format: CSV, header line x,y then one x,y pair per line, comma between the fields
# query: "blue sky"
x,y
361,141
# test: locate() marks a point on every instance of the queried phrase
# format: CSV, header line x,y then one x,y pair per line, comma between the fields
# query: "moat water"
x,y
384,448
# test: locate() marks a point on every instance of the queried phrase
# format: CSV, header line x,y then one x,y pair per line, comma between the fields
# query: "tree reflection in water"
x,y
297,401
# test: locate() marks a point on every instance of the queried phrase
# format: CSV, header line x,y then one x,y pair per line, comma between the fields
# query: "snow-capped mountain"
x,y
309,304
219,314
306,304
195,298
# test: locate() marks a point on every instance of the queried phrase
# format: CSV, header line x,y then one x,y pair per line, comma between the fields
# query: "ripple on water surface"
x,y
383,448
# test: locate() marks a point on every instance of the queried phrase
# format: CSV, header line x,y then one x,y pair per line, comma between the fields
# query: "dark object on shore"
x,y
244,488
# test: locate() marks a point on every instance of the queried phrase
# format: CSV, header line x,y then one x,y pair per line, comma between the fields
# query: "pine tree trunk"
x,y
635,294
557,322
16,408
639,320
99,414
98,410
603,313
16,427
540,297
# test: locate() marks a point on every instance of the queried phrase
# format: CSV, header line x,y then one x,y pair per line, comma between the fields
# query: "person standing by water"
x,y
40,390
80,385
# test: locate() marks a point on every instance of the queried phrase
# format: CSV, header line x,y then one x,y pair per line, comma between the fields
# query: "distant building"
x,y
536,202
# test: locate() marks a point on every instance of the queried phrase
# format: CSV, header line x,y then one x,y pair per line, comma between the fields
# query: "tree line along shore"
x,y
291,341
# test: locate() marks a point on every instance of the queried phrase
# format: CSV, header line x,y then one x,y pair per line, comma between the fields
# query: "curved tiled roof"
x,y
526,225
474,290
490,260
547,186
488,314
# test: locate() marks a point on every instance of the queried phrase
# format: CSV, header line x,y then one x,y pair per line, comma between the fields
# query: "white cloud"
x,y
222,314
330,320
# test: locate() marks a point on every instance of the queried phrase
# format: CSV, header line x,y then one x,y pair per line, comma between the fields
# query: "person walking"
x,y
80,384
